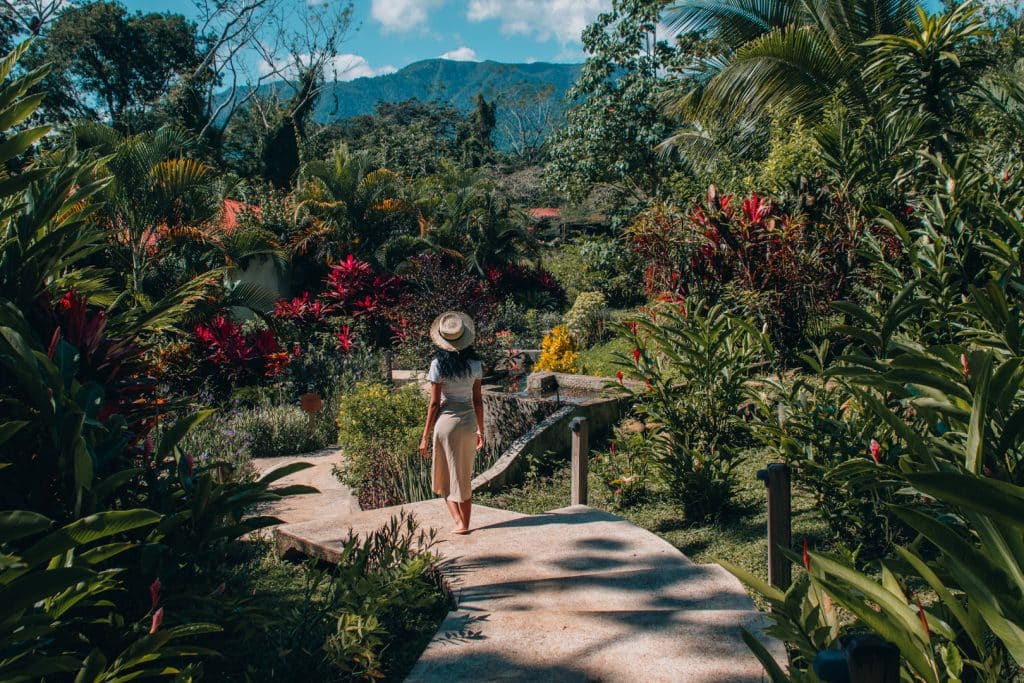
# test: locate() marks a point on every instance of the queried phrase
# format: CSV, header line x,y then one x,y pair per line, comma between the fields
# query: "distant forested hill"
x,y
528,95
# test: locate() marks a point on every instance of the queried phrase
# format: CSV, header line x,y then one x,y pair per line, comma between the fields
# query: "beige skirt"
x,y
454,450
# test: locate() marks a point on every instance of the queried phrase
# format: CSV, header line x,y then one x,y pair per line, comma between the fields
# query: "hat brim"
x,y
465,341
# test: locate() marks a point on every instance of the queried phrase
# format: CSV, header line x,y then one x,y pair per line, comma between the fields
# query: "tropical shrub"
x,y
530,287
783,266
378,430
939,375
438,283
389,593
587,319
833,445
558,352
695,361
626,469
598,264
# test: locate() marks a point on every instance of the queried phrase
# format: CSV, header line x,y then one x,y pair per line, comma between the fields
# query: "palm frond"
x,y
794,70
734,22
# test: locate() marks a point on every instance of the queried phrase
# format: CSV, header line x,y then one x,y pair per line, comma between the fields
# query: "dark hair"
x,y
453,364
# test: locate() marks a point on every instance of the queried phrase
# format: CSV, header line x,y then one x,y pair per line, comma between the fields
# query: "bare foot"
x,y
462,531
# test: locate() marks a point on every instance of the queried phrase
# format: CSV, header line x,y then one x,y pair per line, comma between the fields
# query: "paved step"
x,y
333,496
681,646
575,594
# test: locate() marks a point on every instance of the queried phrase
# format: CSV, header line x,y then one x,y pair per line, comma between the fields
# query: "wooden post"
x,y
580,458
872,659
780,533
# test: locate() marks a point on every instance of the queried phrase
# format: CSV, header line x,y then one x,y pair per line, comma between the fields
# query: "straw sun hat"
x,y
453,331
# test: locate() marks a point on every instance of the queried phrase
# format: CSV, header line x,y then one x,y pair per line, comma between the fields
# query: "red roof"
x,y
232,210
545,212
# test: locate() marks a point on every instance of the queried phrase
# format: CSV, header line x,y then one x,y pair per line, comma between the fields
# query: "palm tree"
x,y
343,207
497,233
156,194
791,55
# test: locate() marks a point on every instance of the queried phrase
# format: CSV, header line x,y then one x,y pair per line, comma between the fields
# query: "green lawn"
x,y
739,538
600,358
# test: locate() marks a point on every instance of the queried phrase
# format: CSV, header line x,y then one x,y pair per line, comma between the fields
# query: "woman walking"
x,y
455,415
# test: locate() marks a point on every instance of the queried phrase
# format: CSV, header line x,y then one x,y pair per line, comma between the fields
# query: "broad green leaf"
x,y
175,433
18,524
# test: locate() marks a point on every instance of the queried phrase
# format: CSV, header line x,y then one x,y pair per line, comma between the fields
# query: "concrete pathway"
x,y
571,595
334,498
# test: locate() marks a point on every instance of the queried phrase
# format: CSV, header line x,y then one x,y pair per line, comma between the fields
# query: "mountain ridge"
x,y
456,83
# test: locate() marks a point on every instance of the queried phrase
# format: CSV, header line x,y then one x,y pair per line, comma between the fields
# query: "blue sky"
x,y
389,34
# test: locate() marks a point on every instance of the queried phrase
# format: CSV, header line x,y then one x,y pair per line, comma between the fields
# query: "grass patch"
x,y
740,537
600,359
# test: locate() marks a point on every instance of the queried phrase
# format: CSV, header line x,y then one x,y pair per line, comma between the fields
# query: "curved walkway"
x,y
575,594
335,498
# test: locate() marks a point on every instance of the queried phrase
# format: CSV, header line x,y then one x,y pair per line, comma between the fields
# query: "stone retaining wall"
x,y
524,427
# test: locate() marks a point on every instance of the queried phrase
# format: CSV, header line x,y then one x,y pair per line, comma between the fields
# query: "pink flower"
x,y
875,448
154,592
345,339
807,556
963,364
158,618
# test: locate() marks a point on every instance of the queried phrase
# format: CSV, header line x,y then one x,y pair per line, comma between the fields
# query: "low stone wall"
x,y
520,427
552,435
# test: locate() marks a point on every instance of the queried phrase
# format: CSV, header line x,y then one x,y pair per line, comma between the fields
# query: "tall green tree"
x,y
612,130
474,138
113,65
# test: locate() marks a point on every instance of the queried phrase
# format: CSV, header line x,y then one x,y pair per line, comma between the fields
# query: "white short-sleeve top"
x,y
456,389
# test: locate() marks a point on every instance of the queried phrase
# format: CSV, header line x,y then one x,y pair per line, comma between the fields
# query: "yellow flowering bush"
x,y
558,351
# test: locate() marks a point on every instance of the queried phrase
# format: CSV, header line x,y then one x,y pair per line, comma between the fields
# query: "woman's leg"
x,y
466,509
455,510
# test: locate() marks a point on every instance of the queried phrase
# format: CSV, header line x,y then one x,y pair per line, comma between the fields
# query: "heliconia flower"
x,y
154,592
963,364
632,326
619,376
875,448
613,448
924,618
158,618
650,387
636,355
807,555
1006,176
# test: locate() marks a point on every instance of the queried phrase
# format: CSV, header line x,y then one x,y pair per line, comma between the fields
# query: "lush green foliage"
x,y
695,362
588,317
378,430
597,264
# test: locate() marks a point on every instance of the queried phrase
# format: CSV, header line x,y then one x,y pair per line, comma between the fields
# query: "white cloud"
x,y
461,54
562,20
402,15
344,67
351,67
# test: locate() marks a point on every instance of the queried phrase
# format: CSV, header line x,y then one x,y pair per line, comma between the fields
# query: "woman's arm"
x,y
478,408
432,409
